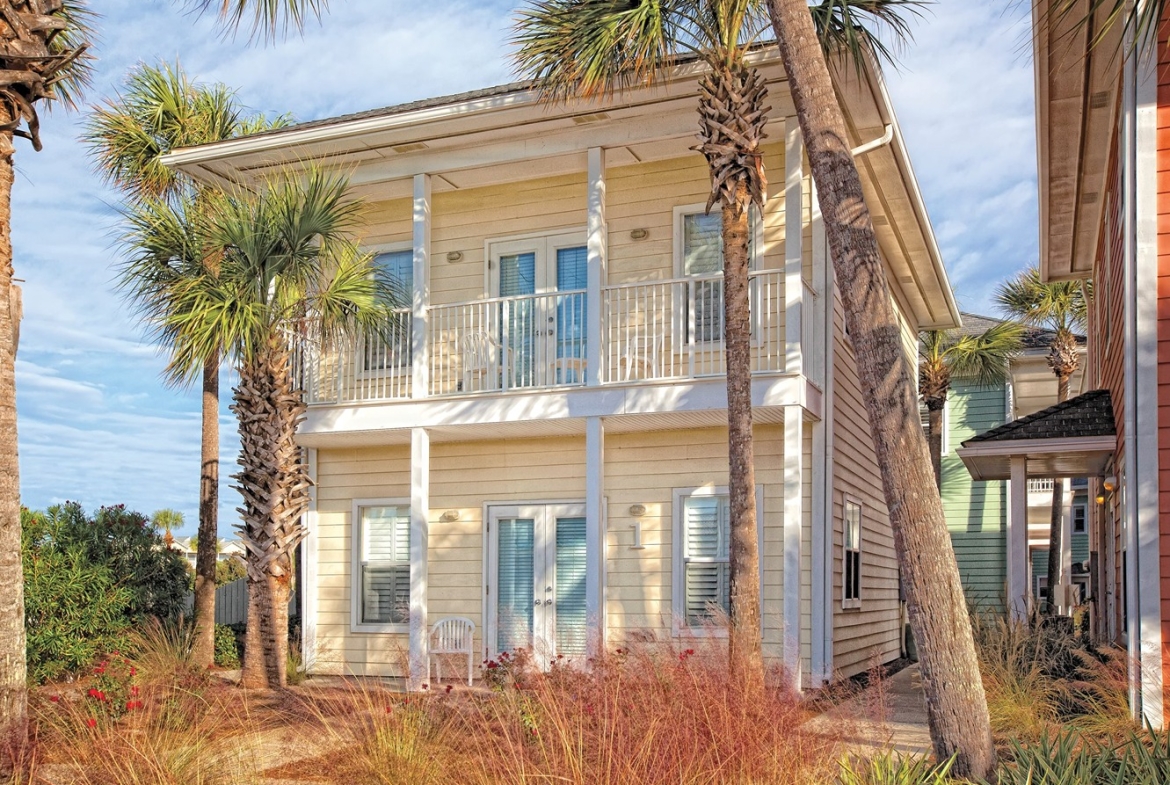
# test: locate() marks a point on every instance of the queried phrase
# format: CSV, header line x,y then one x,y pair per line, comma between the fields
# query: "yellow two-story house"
x,y
544,449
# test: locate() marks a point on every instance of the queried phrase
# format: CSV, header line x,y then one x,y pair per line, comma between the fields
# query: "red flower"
x,y
492,665
449,688
54,698
91,722
133,671
389,709
93,693
129,705
134,691
425,687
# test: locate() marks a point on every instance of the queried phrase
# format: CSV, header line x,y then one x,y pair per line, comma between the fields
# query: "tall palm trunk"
x,y
935,424
13,690
1056,518
274,482
203,651
745,639
732,116
956,703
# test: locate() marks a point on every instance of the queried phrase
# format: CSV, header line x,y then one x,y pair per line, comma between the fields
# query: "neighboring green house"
x,y
977,510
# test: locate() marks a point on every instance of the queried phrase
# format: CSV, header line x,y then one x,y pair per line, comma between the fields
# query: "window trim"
x,y
852,603
755,259
678,625
1083,506
406,369
356,538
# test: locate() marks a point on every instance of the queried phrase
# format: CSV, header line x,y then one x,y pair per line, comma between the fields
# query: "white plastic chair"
x,y
480,362
452,635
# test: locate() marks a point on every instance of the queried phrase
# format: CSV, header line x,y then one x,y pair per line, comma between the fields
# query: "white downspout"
x,y
881,141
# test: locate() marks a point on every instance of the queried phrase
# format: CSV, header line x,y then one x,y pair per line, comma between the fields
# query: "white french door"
x,y
541,285
536,581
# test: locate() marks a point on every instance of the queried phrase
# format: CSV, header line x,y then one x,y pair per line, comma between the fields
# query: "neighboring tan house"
x,y
1103,132
228,549
978,511
545,452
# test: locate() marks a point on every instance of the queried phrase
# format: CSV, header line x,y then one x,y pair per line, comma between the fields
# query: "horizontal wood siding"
x,y
976,511
871,633
1163,137
641,468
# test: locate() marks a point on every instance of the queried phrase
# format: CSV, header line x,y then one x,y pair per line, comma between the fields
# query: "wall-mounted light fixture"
x,y
449,516
1110,483
454,256
1100,498
637,510
639,234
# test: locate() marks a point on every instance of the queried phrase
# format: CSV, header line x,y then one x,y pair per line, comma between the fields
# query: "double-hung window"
x,y
851,551
1080,518
382,565
394,350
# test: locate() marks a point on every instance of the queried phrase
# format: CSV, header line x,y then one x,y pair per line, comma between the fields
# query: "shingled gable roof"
x,y
1087,415
1033,338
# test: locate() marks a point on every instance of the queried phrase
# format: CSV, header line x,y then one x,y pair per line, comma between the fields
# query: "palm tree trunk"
x,y
13,687
274,482
745,639
935,424
1056,520
956,703
203,651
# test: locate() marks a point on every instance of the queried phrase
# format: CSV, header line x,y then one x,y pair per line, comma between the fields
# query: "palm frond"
x,y
1061,306
267,19
857,27
70,83
1140,19
985,359
158,110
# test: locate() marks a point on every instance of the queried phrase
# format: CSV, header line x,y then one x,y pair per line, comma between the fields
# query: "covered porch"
x,y
1076,438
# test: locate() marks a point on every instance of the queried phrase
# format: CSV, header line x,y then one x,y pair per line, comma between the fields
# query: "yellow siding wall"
x,y
641,468
871,633
642,196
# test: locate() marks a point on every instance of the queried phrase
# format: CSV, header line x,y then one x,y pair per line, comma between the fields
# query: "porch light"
x,y
1100,498
1110,483
637,510
454,256
639,234
449,516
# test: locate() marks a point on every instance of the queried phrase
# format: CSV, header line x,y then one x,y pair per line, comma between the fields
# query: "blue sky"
x,y
98,426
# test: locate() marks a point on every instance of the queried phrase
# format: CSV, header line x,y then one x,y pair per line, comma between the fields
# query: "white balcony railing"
x,y
674,329
508,343
1040,485
655,330
360,369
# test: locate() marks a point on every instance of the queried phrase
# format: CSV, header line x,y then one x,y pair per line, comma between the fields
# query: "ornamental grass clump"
x,y
644,715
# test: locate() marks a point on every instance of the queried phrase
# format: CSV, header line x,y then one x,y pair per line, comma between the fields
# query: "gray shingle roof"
x,y
1087,415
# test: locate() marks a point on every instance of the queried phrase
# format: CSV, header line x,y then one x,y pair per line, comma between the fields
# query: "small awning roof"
x,y
1071,439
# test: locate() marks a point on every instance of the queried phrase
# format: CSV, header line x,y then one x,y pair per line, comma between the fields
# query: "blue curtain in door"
x,y
514,594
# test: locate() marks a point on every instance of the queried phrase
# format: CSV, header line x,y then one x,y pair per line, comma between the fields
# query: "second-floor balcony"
x,y
648,332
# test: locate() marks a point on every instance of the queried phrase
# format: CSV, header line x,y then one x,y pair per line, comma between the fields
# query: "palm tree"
x,y
45,45
1062,308
947,355
956,703
167,520
286,273
573,48
160,110
44,59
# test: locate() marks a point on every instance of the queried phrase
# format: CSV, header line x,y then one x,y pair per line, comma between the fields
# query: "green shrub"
x,y
88,581
228,570
227,647
1070,759
891,768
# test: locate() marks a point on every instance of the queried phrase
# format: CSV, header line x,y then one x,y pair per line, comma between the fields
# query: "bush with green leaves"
x,y
892,768
228,570
227,647
1071,759
88,580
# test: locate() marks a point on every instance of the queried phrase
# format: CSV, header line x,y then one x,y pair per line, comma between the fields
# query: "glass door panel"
x,y
571,276
515,595
571,625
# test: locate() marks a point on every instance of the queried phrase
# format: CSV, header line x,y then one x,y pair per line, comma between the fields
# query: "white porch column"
x,y
1066,546
793,238
793,526
595,532
597,243
307,581
822,466
420,506
1016,541
421,365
